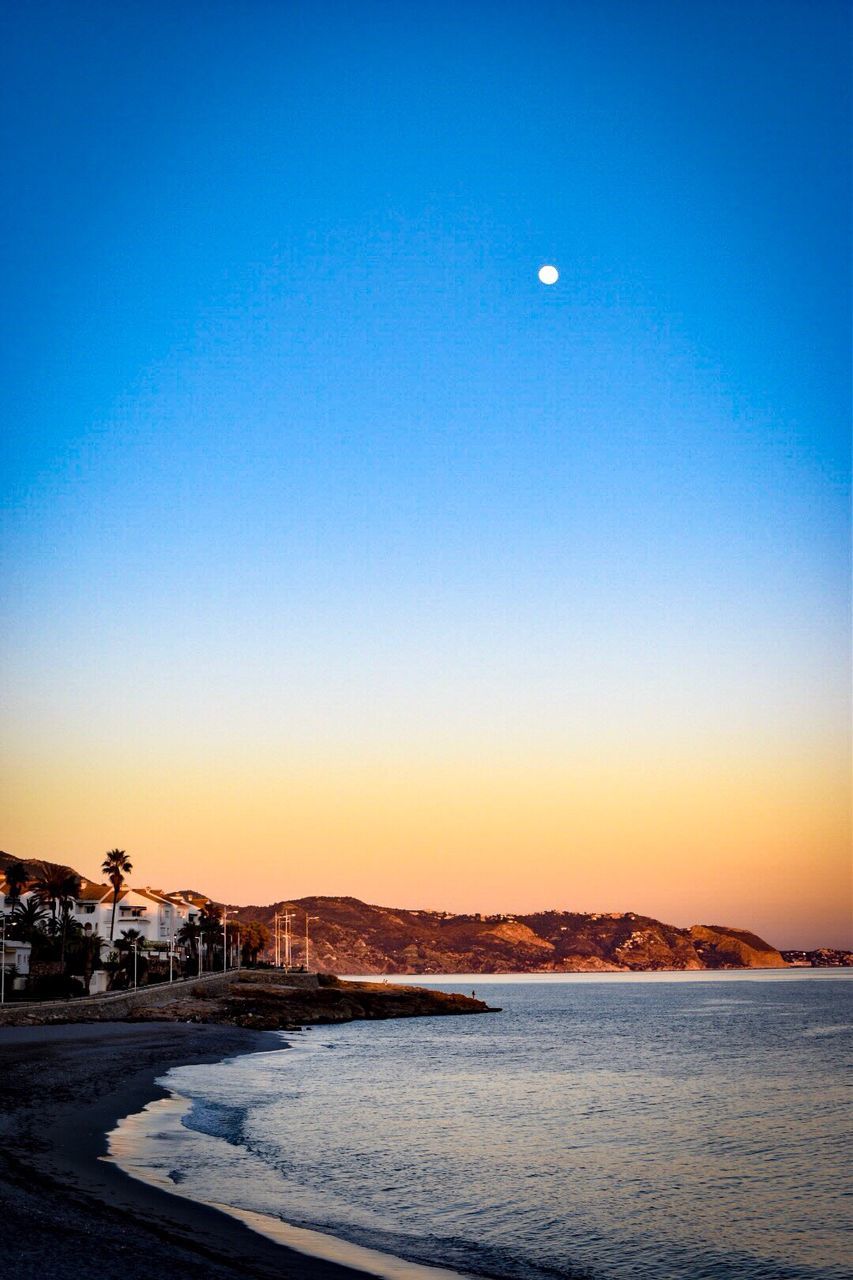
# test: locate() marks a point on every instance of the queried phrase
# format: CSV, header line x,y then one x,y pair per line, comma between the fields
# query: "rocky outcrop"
x,y
721,947
269,1002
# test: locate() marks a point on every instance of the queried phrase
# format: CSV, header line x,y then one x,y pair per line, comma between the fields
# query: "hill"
x,y
350,936
36,867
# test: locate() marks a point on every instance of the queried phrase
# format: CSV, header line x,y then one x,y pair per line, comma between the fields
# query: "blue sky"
x,y
301,451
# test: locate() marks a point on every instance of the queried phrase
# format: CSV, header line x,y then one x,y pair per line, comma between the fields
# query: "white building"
x,y
158,916
15,959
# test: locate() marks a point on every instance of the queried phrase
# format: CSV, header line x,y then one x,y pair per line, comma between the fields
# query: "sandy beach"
x,y
66,1212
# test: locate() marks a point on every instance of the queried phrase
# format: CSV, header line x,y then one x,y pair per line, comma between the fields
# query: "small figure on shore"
x,y
473,995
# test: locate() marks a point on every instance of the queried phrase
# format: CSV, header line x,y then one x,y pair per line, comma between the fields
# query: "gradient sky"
x,y
341,556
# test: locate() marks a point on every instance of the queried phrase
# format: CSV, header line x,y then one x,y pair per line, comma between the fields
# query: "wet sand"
x,y
68,1213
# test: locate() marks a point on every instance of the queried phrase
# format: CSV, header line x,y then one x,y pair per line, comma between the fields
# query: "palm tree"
x,y
254,937
84,952
56,888
67,922
210,926
27,919
131,940
188,936
115,866
91,943
16,878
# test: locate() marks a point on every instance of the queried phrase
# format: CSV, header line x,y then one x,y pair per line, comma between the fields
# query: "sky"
x,y
341,556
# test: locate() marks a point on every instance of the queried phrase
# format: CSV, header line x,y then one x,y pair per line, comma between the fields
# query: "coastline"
x,y
130,1149
68,1211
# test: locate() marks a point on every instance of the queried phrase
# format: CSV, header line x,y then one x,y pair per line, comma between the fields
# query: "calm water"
x,y
636,1126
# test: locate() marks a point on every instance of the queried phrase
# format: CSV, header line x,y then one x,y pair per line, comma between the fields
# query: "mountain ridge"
x,y
352,936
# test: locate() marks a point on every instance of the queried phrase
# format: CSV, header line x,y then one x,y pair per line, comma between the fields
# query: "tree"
x,y
116,866
131,940
28,918
84,951
69,888
57,888
16,878
188,936
254,937
210,926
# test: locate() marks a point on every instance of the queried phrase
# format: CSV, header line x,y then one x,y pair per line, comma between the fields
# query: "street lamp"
x,y
135,949
307,918
2,957
287,917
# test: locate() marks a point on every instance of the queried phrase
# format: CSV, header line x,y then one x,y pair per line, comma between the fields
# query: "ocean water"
x,y
619,1127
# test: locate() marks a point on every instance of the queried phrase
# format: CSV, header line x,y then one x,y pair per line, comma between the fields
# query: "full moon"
x,y
549,275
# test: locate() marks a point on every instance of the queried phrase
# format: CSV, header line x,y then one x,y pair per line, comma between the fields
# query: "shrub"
x,y
56,986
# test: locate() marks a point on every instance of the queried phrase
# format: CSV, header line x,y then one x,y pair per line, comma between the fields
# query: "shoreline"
x,y
68,1211
130,1143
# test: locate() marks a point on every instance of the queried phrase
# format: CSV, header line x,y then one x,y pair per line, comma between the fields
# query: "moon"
x,y
549,275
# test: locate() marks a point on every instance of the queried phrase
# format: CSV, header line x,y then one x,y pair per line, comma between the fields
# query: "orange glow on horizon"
x,y
759,844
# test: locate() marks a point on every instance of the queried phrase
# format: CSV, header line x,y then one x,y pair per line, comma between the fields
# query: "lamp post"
x,y
2,957
289,917
307,918
135,951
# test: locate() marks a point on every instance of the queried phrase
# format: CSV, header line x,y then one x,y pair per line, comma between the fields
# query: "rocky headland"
x,y
273,1001
257,1000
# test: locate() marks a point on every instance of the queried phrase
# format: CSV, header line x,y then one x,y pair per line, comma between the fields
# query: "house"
x,y
157,915
15,960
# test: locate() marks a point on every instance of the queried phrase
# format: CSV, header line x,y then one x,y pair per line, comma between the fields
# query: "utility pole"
x,y
224,938
307,918
135,949
2,957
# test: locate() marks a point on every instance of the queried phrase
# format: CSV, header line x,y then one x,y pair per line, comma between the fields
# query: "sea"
x,y
687,1126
